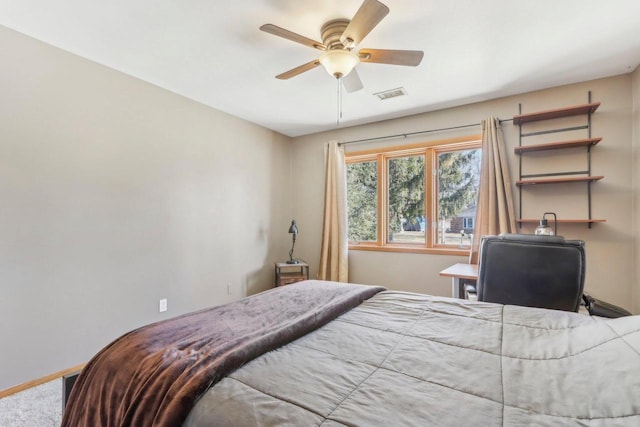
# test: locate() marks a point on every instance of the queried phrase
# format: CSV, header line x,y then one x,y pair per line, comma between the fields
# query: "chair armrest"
x,y
601,308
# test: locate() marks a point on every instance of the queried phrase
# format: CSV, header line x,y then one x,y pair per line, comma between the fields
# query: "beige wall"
x,y
114,194
610,266
636,192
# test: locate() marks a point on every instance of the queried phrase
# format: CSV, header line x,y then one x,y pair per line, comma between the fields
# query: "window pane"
x,y
458,183
362,201
406,200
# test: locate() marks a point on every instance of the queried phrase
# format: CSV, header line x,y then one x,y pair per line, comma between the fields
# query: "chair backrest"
x,y
533,271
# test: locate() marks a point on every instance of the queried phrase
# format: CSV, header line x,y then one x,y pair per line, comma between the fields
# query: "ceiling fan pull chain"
x,y
339,96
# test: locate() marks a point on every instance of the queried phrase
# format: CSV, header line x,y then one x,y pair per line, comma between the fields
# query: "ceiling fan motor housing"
x,y
331,32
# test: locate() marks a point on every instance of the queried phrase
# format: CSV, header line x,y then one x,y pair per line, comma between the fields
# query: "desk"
x,y
460,274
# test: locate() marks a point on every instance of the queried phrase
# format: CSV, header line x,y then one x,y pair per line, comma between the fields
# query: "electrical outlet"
x,y
163,305
228,288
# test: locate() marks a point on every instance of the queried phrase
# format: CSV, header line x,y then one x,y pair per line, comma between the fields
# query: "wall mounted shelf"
x,y
561,221
541,181
558,145
556,113
532,180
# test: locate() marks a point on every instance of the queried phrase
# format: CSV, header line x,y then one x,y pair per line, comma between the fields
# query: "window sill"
x,y
410,249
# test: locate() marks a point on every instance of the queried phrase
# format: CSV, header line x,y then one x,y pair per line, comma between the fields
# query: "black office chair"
x,y
536,271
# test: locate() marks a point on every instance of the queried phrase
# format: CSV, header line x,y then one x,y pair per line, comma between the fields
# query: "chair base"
x,y
601,308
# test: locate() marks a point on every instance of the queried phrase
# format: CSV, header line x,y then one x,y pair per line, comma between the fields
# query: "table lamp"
x,y
293,230
543,229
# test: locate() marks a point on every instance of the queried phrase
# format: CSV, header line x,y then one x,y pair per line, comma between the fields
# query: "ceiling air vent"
x,y
391,93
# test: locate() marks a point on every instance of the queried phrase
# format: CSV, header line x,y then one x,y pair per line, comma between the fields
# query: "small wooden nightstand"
x,y
291,273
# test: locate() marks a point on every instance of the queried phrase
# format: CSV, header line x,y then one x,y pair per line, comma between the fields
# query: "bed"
x,y
324,353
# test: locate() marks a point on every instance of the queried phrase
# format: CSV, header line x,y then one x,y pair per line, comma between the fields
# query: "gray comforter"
x,y
402,359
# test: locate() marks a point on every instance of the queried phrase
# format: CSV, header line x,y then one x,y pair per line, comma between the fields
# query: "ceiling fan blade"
x,y
352,82
290,35
410,58
298,70
366,18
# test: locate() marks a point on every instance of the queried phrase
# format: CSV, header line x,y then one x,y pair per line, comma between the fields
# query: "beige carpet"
x,y
39,406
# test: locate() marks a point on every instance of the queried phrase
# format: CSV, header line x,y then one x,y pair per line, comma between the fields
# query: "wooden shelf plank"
x,y
561,221
535,181
556,113
557,145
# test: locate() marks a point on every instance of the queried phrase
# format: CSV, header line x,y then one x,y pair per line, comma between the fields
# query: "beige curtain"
x,y
334,263
495,212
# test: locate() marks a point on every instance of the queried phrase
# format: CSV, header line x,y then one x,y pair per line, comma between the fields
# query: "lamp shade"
x,y
339,62
544,229
293,228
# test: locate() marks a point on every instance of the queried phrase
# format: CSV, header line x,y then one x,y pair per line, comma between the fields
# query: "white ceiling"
x,y
213,52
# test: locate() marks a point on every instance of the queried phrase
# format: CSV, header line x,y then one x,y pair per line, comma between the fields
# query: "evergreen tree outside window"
x,y
362,203
406,197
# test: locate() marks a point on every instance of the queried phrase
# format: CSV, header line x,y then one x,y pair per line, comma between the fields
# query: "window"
x,y
417,198
467,223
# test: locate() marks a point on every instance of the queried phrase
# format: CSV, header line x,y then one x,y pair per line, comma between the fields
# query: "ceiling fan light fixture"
x,y
339,62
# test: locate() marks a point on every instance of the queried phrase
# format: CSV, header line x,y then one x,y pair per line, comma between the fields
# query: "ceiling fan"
x,y
339,40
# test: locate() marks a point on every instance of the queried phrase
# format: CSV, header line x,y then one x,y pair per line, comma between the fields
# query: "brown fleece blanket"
x,y
155,374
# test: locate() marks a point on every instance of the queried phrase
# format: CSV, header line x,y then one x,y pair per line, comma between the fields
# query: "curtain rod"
x,y
404,135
